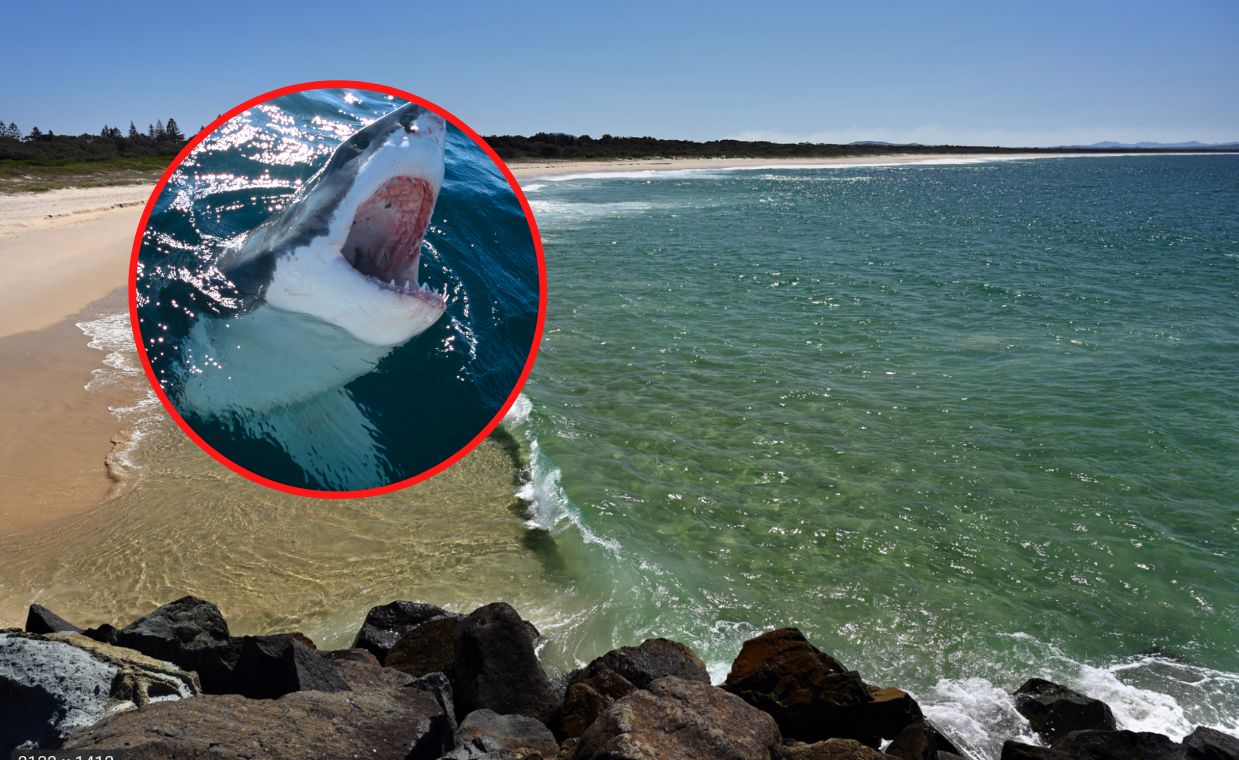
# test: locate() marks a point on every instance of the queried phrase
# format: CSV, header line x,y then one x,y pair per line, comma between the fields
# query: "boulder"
x,y
518,735
51,685
830,749
1210,744
688,720
191,633
496,668
272,666
617,673
1116,745
429,647
1013,750
382,724
1053,711
386,624
811,695
40,619
107,633
361,670
921,740
438,686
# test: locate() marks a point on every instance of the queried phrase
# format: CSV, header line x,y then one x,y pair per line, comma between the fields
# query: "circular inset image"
x,y
337,289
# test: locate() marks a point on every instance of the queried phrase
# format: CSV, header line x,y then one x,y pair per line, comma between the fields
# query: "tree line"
x,y
158,139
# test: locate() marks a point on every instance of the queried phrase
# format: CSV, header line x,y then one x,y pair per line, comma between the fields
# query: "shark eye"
x,y
361,141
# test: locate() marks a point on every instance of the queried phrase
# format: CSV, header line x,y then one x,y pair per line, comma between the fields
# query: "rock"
x,y
496,668
1013,750
830,749
1210,744
567,749
617,673
386,624
361,670
106,633
682,719
427,648
889,712
40,619
921,740
519,735
809,693
1116,745
1054,711
51,685
191,633
438,686
383,724
272,666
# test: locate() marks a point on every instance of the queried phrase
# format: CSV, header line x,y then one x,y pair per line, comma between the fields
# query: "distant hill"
x,y
1192,145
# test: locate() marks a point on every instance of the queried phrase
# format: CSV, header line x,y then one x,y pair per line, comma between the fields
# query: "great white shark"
x,y
324,290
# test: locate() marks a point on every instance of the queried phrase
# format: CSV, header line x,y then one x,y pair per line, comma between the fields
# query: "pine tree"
x,y
35,134
133,131
150,131
173,131
159,130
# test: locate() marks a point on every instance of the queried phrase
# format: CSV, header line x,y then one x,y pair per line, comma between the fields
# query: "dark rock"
x,y
568,748
40,619
106,633
1054,711
1116,745
830,749
519,735
382,724
385,624
809,693
191,633
437,685
888,713
361,670
427,648
617,673
496,668
654,659
589,697
921,741
678,718
1013,750
272,666
51,685
1210,744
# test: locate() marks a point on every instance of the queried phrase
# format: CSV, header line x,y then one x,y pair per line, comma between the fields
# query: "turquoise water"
x,y
963,424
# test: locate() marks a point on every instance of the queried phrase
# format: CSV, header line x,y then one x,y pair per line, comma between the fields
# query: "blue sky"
x,y
1036,73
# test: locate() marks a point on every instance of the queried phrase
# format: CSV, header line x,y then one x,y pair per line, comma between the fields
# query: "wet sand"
x,y
58,436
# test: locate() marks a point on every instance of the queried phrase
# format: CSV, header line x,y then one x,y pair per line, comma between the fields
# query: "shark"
x,y
324,290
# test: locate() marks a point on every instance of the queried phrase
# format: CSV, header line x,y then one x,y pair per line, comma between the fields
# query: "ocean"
x,y
428,397
963,424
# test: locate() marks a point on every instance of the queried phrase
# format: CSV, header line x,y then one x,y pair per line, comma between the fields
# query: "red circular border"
x,y
133,289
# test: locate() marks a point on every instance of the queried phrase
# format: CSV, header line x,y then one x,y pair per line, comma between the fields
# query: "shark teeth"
x,y
411,287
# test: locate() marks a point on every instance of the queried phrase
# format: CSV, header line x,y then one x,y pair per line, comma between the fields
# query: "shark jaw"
x,y
362,273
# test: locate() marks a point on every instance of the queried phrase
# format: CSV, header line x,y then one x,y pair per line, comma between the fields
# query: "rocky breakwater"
x,y
422,682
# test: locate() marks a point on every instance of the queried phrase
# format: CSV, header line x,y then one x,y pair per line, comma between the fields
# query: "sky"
x,y
976,73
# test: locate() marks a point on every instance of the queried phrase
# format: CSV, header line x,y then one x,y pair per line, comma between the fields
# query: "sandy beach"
x,y
535,169
64,258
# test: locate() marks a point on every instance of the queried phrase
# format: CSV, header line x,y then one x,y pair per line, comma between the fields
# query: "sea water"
x,y
962,424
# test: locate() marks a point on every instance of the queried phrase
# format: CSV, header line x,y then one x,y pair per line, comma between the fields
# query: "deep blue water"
x,y
429,396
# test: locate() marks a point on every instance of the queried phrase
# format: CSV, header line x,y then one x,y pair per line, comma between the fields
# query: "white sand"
x,y
62,250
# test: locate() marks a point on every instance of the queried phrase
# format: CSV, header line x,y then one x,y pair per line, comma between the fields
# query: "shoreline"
x,y
64,250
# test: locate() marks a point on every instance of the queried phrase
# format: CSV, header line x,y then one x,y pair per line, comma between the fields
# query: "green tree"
x,y
133,132
173,131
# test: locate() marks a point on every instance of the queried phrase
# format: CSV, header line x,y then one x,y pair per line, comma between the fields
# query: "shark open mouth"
x,y
385,240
